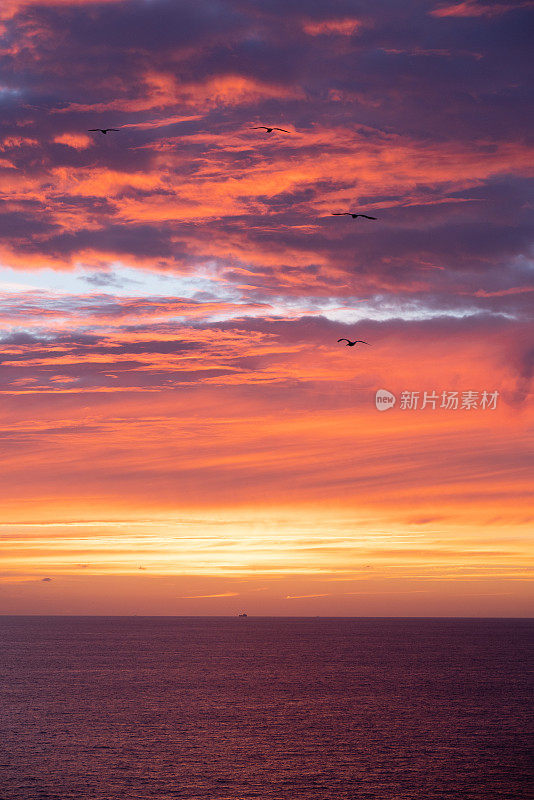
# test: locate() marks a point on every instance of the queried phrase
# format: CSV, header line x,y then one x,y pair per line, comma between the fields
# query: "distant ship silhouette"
x,y
242,615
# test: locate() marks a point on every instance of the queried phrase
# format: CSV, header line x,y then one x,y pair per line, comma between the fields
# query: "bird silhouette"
x,y
350,214
102,130
351,344
269,130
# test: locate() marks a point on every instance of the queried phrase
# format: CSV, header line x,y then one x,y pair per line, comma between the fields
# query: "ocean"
x,y
168,708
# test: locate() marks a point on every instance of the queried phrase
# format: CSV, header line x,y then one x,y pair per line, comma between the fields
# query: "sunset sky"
x,y
181,431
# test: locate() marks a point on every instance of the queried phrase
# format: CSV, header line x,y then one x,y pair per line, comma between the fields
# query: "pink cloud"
x,y
470,8
345,26
79,141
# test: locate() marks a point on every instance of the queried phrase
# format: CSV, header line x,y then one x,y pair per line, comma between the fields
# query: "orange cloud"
x,y
79,141
163,90
345,26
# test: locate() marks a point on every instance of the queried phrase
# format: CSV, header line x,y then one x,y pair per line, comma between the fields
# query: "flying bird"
x,y
350,214
351,344
102,130
269,130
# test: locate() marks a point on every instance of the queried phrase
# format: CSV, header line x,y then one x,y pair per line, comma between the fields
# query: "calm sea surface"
x,y
199,708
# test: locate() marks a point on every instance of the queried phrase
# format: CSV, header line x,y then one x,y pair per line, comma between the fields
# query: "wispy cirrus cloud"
x,y
472,8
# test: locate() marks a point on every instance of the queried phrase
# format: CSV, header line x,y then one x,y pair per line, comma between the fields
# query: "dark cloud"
x,y
525,371
100,278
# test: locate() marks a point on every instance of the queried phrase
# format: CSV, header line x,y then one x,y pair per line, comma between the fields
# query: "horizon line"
x,y
249,616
